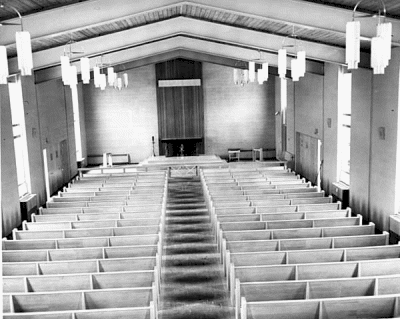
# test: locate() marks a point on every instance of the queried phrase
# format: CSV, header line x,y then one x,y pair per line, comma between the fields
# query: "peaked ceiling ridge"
x,y
179,8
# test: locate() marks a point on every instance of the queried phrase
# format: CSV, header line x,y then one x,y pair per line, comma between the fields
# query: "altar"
x,y
187,146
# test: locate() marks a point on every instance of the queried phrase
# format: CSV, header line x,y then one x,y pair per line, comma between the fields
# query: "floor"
x,y
192,280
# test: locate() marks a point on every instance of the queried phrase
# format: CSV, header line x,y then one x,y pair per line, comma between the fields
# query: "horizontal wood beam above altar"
x,y
174,83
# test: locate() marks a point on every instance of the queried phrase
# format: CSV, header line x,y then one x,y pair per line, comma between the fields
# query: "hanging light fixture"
x,y
282,65
125,77
65,69
96,76
252,73
352,44
85,70
24,52
236,76
119,84
3,65
23,44
301,57
265,70
103,81
380,44
110,76
381,48
262,73
241,73
295,67
260,76
69,73
298,64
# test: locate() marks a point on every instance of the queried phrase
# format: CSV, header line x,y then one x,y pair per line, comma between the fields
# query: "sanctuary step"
x,y
192,279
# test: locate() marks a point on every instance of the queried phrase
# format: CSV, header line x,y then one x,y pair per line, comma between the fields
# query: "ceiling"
x,y
227,31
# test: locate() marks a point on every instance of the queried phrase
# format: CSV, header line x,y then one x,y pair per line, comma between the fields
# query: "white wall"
x,y
123,121
236,116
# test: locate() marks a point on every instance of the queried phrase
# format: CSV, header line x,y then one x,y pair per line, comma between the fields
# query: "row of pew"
x,y
285,258
94,251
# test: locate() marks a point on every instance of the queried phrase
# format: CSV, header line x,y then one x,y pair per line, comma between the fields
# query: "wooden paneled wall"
x,y
307,157
180,109
57,131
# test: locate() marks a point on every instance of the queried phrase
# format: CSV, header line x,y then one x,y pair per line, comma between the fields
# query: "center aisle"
x,y
192,282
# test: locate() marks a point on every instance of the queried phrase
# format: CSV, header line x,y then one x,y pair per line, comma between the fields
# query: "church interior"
x,y
200,159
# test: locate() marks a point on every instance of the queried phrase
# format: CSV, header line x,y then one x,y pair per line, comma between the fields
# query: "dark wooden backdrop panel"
x,y
180,109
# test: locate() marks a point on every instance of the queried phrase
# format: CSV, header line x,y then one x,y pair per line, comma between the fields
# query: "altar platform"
x,y
175,165
184,165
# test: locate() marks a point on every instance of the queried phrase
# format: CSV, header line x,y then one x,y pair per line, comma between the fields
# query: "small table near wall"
x,y
258,151
233,154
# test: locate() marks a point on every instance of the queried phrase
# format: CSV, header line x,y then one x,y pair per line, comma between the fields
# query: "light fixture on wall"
x,y
298,64
24,49
380,44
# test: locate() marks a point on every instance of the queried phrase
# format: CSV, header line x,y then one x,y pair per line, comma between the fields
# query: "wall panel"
x,y
384,121
56,125
237,116
309,105
32,125
123,121
330,125
10,210
361,105
180,108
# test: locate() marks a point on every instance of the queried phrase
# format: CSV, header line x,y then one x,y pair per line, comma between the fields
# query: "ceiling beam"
x,y
229,42
97,12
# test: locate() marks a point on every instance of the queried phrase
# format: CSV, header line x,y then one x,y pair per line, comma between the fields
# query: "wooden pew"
x,y
81,300
65,282
92,232
238,251
300,233
284,216
80,266
86,224
317,256
315,289
16,256
311,271
94,216
283,224
295,201
306,243
121,313
349,308
78,204
99,210
86,242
